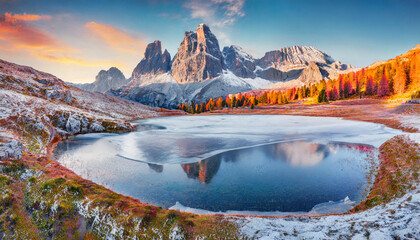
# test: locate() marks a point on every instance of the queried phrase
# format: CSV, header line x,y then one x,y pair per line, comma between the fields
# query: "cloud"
x,y
218,13
116,38
81,62
17,35
25,17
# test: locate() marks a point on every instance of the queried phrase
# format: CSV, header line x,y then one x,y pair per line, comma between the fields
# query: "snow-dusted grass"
x,y
398,219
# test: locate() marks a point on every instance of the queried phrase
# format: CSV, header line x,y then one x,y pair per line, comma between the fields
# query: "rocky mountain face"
x,y
198,57
283,65
313,71
154,61
292,56
113,78
298,62
239,62
200,71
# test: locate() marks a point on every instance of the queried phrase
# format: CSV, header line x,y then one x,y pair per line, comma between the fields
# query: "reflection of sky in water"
x,y
290,175
189,139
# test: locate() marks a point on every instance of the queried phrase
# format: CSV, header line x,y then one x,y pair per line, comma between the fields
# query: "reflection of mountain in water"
x,y
193,147
156,167
297,153
203,170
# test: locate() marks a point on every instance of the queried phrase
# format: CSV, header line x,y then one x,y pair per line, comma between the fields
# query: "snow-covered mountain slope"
x,y
227,83
239,62
163,90
153,90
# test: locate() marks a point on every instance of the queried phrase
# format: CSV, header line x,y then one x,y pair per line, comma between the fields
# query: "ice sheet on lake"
x,y
188,139
341,206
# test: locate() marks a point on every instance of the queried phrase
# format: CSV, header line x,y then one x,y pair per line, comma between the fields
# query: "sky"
x,y
76,39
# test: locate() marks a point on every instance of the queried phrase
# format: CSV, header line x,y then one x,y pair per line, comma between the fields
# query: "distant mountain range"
x,y
200,70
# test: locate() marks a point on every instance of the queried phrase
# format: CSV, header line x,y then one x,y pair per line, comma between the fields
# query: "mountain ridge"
x,y
200,69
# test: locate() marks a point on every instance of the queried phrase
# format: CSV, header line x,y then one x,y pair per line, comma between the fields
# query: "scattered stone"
x,y
11,149
73,124
96,126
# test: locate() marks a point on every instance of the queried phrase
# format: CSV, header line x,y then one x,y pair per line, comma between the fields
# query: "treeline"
x,y
397,76
236,100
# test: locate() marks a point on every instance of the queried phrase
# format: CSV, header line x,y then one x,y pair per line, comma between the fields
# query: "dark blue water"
x,y
287,176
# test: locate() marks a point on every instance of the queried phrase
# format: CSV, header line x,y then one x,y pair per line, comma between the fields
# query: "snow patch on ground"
x,y
411,121
341,206
398,219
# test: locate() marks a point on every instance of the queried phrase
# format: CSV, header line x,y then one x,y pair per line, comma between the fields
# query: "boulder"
x,y
73,124
11,149
96,126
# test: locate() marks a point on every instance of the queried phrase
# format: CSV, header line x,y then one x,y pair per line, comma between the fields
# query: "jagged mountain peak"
x,y
153,62
153,48
202,27
239,52
198,58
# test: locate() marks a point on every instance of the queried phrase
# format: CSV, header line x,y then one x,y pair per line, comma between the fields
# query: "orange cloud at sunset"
x,y
81,62
25,17
17,35
116,38
67,50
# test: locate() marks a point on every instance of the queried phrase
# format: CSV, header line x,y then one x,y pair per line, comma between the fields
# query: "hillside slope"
x,y
35,106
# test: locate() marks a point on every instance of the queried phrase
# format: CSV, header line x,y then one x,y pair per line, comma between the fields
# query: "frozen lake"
x,y
235,163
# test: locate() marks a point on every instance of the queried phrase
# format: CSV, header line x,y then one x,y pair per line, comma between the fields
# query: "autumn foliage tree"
x,y
370,86
400,80
219,103
322,97
383,88
396,76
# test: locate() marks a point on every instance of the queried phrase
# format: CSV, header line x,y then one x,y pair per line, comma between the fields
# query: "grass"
x,y
60,205
398,172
